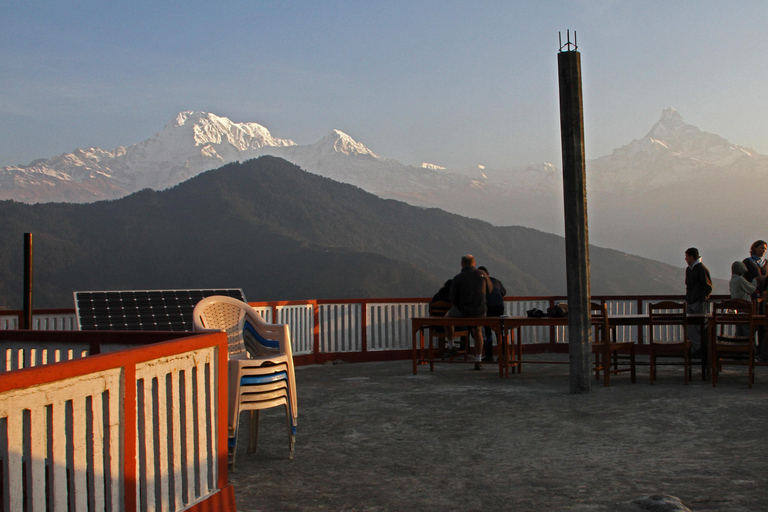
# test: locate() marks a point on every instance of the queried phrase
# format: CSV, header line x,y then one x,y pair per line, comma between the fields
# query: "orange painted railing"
x,y
358,330
106,431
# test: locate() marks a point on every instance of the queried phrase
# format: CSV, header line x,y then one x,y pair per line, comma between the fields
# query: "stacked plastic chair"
x,y
261,374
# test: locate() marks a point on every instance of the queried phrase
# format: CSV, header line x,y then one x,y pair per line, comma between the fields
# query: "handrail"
x,y
357,330
115,394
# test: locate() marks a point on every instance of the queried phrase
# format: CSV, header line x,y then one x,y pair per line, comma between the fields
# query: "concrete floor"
x,y
374,437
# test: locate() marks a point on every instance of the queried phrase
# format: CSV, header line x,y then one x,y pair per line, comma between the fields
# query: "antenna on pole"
x,y
568,46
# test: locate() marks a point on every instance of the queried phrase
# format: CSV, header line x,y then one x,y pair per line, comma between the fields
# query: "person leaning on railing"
x,y
698,287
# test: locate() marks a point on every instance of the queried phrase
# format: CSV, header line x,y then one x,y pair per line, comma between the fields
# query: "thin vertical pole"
x,y
576,232
27,317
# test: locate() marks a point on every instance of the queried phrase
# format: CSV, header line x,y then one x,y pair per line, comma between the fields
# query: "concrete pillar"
x,y
576,232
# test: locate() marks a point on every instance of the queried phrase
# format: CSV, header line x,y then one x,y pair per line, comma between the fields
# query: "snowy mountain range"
x,y
674,188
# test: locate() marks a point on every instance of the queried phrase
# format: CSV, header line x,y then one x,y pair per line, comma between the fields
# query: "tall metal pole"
x,y
575,205
27,315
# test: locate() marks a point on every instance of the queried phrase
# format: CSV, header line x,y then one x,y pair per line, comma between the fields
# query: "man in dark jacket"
x,y
698,287
468,291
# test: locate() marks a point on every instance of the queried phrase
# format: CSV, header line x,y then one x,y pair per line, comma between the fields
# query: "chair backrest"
x,y
439,308
668,320
599,314
733,312
246,330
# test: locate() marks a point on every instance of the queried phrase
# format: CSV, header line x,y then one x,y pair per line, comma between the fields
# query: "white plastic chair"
x,y
261,373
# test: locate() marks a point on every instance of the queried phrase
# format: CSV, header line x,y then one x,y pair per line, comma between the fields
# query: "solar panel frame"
x,y
142,310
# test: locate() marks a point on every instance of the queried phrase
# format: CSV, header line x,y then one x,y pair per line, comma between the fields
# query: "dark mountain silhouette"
x,y
281,233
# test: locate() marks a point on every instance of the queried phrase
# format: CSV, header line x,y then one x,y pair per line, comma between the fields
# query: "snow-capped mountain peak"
x,y
339,142
671,127
209,128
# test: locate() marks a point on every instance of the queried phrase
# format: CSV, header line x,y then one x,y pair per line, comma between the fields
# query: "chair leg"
x,y
632,367
291,437
597,366
253,434
652,366
232,443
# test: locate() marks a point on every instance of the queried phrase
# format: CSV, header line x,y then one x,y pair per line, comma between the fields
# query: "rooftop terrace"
x,y
374,437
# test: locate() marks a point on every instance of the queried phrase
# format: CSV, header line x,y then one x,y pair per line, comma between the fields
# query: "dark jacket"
x,y
698,283
495,298
468,290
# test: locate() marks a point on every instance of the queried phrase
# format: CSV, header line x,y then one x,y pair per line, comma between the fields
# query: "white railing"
x,y
389,324
139,429
325,327
177,430
16,355
340,328
300,319
67,433
42,322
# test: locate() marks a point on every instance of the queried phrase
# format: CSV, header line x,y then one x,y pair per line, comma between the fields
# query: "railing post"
x,y
315,330
223,413
364,326
128,436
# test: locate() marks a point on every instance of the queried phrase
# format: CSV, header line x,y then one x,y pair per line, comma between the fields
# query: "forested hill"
x,y
281,233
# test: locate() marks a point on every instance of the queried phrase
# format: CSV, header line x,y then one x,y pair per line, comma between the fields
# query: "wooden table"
x,y
422,354
515,323
507,330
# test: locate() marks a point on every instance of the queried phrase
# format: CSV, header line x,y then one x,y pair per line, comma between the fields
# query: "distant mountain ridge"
x,y
281,233
676,187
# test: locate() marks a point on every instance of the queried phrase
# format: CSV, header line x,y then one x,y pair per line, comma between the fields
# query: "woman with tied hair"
x,y
757,268
739,287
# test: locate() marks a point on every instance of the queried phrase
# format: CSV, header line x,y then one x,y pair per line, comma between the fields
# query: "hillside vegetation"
x,y
281,233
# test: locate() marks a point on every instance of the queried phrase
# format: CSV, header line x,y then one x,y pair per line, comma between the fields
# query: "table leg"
x,y
500,338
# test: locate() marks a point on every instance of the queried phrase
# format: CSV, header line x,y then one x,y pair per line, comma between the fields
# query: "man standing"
x,y
698,287
468,291
757,270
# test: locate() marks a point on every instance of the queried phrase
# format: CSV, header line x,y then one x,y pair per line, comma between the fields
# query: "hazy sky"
x,y
447,82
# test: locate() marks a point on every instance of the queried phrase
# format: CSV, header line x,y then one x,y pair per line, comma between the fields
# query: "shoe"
x,y
478,366
451,352
761,358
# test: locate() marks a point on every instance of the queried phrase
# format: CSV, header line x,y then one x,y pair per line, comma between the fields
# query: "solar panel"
x,y
142,310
